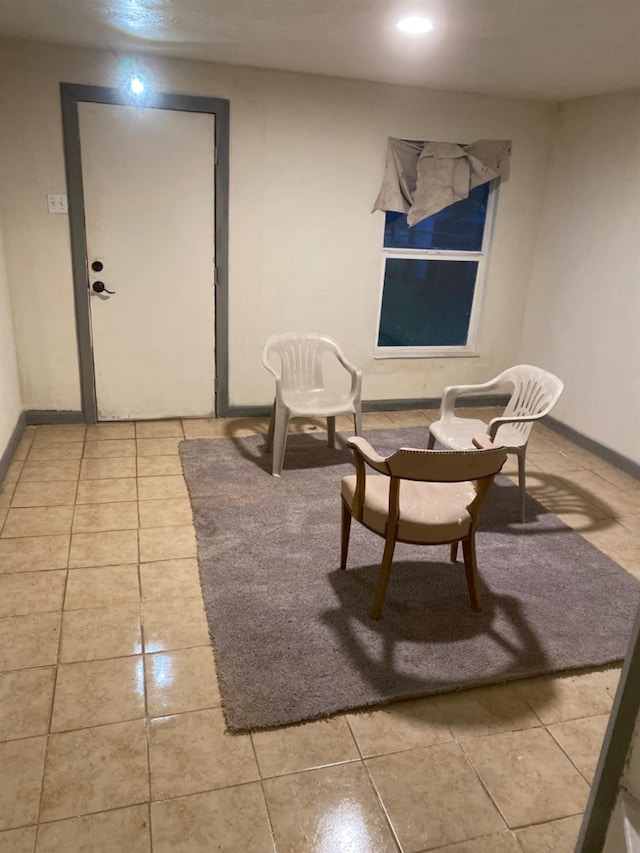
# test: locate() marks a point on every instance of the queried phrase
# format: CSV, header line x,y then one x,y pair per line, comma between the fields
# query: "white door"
x,y
148,182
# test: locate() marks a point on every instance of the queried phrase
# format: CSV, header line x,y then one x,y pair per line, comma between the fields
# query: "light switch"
x,y
57,203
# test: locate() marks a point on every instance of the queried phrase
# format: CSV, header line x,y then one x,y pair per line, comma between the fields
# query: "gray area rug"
x,y
291,632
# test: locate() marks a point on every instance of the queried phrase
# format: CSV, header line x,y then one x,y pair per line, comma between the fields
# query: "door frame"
x,y
71,95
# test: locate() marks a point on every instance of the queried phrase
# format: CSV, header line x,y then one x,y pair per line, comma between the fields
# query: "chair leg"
x,y
357,421
471,570
522,481
454,551
383,578
431,442
279,440
269,440
331,432
344,537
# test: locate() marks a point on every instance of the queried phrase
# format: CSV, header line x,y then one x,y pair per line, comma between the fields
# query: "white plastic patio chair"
x,y
301,389
535,392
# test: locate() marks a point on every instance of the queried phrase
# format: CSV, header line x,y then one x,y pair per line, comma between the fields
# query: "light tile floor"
x,y
111,733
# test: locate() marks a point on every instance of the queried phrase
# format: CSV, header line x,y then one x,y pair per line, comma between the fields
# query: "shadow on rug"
x,y
291,632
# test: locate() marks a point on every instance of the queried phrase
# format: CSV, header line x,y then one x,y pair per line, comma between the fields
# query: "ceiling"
x,y
548,49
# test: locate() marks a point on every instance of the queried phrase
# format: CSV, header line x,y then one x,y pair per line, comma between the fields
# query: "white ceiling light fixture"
x,y
415,25
133,80
136,85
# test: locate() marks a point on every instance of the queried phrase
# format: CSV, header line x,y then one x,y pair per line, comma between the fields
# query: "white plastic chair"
x,y
425,497
301,390
535,392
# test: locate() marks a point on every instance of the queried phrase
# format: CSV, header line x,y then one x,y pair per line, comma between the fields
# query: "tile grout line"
x,y
524,826
374,787
264,795
147,725
56,675
138,804
96,660
82,815
564,751
147,728
448,844
481,780
253,782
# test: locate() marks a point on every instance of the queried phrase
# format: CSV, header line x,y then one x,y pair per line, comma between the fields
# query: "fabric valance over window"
x,y
422,178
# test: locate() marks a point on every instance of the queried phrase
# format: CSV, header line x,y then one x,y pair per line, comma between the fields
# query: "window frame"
x,y
471,348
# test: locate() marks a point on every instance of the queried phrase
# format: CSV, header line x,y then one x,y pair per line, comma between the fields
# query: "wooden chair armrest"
x,y
363,449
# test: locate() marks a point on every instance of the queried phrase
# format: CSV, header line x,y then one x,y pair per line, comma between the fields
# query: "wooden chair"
x,y
425,497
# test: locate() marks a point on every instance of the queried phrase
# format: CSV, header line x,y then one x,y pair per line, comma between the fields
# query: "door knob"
x,y
99,287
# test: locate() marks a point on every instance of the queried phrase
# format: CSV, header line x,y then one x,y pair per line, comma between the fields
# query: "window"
x,y
432,279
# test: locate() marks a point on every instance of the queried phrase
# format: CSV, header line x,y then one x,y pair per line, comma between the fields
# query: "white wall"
x,y
305,252
10,402
583,314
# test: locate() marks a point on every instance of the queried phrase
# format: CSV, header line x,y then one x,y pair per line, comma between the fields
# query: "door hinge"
x,y
215,276
215,384
215,155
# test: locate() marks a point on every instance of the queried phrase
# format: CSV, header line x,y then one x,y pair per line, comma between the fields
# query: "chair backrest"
x,y
535,392
300,356
445,466
432,466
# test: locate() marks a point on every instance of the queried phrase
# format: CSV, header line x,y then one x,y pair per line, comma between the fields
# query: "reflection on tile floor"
x,y
111,732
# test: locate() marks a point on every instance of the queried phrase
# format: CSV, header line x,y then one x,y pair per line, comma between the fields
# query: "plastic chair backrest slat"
x,y
300,358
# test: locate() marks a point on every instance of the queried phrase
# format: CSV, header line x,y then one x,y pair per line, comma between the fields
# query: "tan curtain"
x,y
421,178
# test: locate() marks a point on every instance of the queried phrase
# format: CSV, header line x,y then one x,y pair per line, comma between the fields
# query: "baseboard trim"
x,y
606,453
37,417
14,441
602,451
246,411
398,405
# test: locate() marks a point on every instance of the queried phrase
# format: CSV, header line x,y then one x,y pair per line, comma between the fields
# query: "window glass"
x,y
426,302
459,227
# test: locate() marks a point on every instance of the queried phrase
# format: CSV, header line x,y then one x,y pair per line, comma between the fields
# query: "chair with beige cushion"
x,y
296,360
424,497
534,393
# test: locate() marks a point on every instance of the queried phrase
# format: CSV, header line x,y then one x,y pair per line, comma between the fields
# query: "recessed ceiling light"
x,y
136,85
415,25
